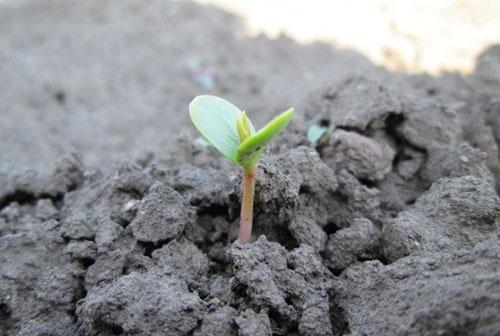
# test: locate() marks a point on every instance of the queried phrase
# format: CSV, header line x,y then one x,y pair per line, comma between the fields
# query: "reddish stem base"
x,y
246,218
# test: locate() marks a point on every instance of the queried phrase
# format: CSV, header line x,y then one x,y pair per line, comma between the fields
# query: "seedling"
x,y
316,134
231,132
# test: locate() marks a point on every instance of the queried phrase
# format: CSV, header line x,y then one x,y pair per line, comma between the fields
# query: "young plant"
x,y
231,132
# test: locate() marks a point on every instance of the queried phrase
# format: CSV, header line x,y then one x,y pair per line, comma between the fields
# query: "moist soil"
x,y
389,225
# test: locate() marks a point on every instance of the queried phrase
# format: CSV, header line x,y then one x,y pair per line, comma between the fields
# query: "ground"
x,y
389,225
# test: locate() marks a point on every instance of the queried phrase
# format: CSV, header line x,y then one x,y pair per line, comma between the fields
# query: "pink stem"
x,y
246,217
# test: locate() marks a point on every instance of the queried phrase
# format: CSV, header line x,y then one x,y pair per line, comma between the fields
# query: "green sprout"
x,y
231,132
316,134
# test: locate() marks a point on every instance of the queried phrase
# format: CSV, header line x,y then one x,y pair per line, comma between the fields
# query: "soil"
x,y
389,226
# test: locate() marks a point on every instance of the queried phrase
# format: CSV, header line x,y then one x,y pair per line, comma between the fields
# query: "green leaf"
x,y
250,150
215,118
315,133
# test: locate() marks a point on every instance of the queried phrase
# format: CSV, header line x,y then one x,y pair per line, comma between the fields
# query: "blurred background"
x,y
415,36
113,78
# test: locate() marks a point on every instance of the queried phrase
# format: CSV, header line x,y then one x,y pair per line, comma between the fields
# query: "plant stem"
x,y
246,218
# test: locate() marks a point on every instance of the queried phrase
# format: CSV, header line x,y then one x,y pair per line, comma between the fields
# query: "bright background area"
x,y
415,36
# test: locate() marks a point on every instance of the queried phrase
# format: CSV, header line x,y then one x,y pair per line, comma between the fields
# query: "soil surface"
x,y
389,225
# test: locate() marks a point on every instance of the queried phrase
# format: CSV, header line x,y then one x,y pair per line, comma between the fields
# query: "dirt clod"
x,y
389,226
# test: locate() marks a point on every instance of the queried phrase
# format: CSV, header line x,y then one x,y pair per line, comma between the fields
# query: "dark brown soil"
x,y
389,226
